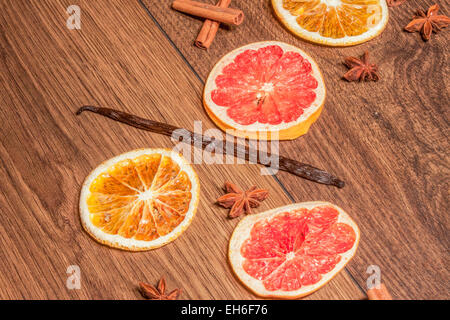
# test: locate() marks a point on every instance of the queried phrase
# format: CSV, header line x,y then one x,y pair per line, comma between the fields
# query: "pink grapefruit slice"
x,y
265,90
292,251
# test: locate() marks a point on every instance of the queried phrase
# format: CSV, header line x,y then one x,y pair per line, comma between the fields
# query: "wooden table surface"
x,y
388,140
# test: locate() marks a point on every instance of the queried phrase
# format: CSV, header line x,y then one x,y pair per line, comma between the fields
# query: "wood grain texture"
x,y
388,140
119,59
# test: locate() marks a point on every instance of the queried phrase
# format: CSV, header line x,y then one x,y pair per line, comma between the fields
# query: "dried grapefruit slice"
x,y
139,200
290,252
265,88
333,22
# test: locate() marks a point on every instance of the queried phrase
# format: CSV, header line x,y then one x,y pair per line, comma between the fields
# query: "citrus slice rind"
x,y
243,235
376,9
136,200
265,131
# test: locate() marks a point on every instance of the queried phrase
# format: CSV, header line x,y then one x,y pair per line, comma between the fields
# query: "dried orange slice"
x,y
265,90
139,200
292,251
333,22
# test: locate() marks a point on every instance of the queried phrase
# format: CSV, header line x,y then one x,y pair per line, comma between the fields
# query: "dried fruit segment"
x,y
105,184
141,197
180,183
177,200
292,251
164,220
125,172
147,226
131,223
167,171
333,22
98,202
274,238
110,221
337,239
261,269
146,166
320,218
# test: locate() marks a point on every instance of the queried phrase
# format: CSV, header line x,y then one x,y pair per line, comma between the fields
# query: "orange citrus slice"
x,y
139,200
333,22
292,251
266,90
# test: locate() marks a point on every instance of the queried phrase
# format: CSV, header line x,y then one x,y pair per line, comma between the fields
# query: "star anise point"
x,y
427,23
361,69
395,3
241,201
158,293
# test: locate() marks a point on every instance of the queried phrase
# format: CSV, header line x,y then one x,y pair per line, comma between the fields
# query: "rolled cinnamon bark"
x,y
225,15
380,293
210,28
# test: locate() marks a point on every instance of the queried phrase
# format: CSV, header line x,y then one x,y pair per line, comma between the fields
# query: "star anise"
x,y
361,69
241,201
150,292
428,23
395,3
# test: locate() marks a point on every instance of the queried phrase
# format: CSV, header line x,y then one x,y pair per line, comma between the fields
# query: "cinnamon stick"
x,y
379,294
225,15
210,28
